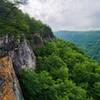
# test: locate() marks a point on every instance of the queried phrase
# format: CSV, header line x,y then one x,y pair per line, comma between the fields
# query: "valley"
x,y
89,41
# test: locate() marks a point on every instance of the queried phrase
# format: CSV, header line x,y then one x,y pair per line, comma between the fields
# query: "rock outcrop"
x,y
37,41
20,51
9,84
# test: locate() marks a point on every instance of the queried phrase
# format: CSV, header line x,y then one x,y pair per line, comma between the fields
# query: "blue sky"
x,y
66,14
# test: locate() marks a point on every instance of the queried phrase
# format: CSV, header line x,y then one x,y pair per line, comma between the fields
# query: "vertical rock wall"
x,y
21,52
9,85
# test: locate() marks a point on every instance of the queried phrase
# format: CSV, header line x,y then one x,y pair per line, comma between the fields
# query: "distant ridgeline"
x,y
87,40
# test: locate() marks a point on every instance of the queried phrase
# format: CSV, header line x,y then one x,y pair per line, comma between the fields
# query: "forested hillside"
x,y
60,70
14,22
87,40
63,72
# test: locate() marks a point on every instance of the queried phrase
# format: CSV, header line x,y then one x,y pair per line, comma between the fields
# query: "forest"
x,y
89,41
14,22
63,71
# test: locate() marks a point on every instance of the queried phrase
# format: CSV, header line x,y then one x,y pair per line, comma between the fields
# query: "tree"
x,y
54,65
50,48
96,90
37,86
74,76
41,86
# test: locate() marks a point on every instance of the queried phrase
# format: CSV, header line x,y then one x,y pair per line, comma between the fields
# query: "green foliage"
x,y
37,86
89,41
63,71
54,65
84,71
74,75
49,49
97,90
13,21
41,86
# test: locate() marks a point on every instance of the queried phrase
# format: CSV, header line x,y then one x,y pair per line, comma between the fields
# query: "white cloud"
x,y
66,14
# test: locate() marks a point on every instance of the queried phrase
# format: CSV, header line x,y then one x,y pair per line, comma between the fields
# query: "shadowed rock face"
x,y
37,41
23,56
20,52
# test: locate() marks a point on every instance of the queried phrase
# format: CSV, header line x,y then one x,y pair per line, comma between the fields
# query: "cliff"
x,y
9,85
21,52
15,55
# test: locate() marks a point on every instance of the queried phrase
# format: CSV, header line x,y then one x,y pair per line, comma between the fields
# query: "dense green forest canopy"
x,y
13,21
63,72
87,40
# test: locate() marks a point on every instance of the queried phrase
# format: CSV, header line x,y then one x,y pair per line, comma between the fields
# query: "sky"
x,y
66,14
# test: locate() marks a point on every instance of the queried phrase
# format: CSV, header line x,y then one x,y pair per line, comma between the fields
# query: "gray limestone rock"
x,y
21,53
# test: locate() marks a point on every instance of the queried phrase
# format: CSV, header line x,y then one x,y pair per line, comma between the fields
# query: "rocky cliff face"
x,y
20,51
21,55
9,84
